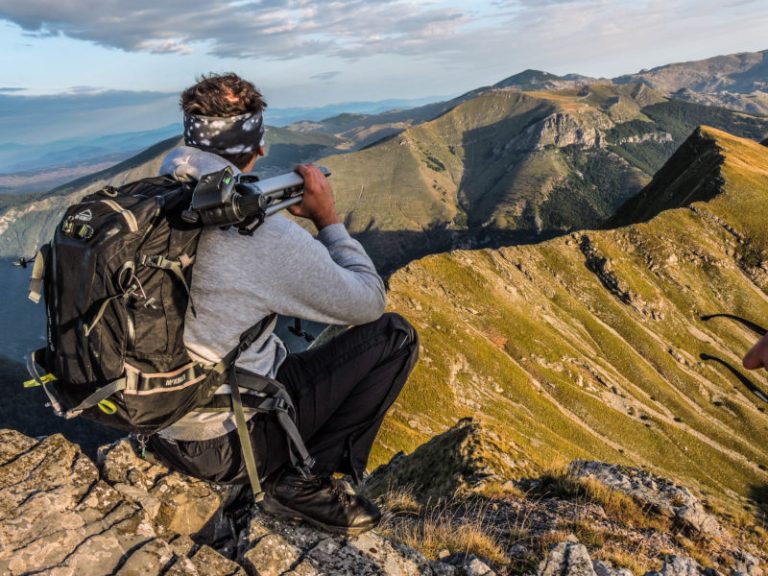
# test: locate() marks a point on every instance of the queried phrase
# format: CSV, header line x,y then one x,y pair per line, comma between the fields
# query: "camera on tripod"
x,y
242,200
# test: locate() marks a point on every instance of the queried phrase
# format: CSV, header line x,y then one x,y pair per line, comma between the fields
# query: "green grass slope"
x,y
506,162
587,346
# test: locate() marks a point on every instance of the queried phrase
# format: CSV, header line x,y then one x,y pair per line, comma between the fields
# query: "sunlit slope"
x,y
506,161
588,346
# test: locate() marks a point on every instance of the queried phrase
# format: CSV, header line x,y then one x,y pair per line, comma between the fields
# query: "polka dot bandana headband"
x,y
233,135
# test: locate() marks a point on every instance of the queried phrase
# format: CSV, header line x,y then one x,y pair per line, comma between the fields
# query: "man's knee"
x,y
403,333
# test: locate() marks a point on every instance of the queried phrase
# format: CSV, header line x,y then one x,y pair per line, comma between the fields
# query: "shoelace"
x,y
757,329
336,487
339,489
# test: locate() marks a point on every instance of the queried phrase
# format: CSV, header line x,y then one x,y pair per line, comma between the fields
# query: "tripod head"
x,y
226,199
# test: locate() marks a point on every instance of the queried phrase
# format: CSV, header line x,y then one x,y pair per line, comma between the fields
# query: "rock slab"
x,y
660,493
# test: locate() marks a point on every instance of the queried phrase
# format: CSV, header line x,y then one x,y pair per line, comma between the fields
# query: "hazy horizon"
x,y
76,67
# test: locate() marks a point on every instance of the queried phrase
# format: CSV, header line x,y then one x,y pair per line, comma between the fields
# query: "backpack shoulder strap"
x,y
228,363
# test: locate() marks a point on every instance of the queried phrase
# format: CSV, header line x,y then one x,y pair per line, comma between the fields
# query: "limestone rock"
x,y
59,518
211,563
660,493
175,503
271,555
206,562
679,566
567,559
458,461
747,565
607,569
271,547
468,565
443,569
476,567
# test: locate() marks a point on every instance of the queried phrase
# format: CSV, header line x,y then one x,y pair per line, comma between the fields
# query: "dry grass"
x,y
624,559
433,528
400,500
499,491
435,534
618,507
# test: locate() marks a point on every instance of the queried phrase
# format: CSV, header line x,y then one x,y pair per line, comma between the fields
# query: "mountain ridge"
x,y
587,346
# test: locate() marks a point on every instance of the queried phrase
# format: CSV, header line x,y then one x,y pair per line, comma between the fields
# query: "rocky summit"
x,y
63,514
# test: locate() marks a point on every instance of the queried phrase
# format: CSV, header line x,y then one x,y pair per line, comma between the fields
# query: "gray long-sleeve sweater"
x,y
238,280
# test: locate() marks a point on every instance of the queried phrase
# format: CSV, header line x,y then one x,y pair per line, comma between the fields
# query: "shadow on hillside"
x,y
691,175
760,495
490,163
391,250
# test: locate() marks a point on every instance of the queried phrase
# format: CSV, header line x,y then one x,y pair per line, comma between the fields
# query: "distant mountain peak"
x,y
532,79
529,77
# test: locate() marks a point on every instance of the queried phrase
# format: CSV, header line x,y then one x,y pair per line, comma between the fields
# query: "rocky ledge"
x,y
62,514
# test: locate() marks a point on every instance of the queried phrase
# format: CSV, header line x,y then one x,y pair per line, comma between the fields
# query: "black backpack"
x,y
116,279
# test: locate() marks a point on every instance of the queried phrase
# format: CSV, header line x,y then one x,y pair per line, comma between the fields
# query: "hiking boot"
x,y
323,501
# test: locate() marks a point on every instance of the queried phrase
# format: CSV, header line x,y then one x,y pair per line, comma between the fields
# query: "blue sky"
x,y
303,53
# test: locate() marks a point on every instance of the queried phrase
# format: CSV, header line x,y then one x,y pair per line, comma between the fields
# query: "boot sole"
x,y
275,508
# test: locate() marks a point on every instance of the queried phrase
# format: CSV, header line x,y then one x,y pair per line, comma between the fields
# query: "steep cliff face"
x,y
588,346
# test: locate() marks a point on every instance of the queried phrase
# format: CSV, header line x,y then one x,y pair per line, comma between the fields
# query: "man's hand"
x,y
317,204
758,356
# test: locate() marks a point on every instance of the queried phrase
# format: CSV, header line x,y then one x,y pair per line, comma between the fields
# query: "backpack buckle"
x,y
153,261
281,405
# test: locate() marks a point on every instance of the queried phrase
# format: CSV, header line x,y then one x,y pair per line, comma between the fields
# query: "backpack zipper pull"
x,y
142,440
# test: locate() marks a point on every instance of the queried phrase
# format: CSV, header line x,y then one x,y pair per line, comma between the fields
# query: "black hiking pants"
x,y
341,391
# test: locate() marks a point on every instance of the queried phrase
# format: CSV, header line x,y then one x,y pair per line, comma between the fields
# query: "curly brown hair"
x,y
223,95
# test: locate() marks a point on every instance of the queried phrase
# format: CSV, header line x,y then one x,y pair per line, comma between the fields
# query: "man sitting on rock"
x,y
342,389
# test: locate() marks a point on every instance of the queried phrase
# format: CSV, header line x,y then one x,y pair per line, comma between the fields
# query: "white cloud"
x,y
267,28
385,48
325,76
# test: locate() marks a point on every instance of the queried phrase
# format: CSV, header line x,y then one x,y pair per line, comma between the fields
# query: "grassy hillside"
x,y
506,164
587,346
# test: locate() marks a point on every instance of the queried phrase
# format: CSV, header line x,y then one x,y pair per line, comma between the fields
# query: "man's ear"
x,y
261,151
252,162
